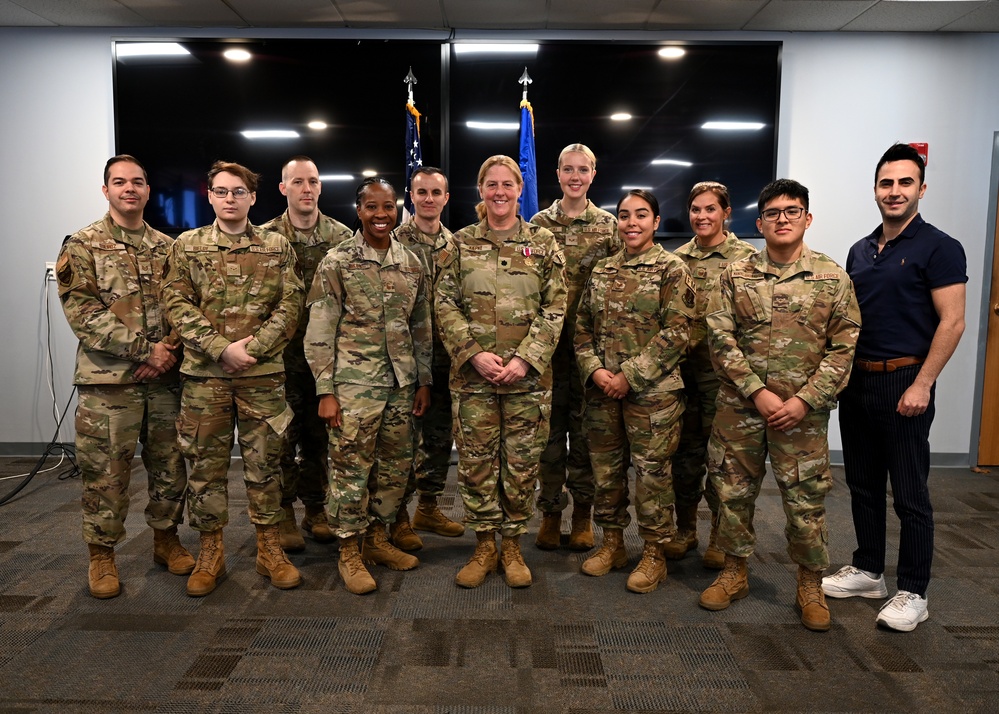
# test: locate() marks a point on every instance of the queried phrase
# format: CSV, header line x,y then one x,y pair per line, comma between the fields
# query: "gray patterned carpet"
x,y
569,644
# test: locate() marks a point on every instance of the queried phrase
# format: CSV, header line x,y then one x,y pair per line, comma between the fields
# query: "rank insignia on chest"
x,y
572,240
780,303
619,284
232,268
389,286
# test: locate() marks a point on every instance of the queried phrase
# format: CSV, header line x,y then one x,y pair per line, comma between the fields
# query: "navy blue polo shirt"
x,y
893,288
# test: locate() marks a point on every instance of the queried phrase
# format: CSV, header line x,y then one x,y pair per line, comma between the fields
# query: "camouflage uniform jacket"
x,y
792,330
217,292
309,250
370,318
634,317
584,240
501,296
426,246
705,266
109,285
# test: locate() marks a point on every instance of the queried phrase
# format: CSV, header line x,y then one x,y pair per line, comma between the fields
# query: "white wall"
x,y
844,99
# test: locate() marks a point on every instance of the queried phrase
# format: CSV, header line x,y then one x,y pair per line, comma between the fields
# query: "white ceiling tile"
x,y
287,13
86,13
807,15
389,13
600,14
495,14
182,13
894,16
704,14
983,19
13,15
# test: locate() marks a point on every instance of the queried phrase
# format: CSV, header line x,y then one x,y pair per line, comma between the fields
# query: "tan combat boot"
x,y
102,575
209,567
271,560
356,577
550,531
291,540
377,550
402,534
317,525
714,557
731,584
611,554
515,571
650,571
686,533
168,551
484,560
811,600
581,535
428,517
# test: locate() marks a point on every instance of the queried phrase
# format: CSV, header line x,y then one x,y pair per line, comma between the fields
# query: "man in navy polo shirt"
x,y
910,281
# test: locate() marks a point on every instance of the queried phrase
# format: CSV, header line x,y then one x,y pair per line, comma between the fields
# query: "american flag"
x,y
414,156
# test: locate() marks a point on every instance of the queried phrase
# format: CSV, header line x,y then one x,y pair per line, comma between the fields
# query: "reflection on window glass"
x,y
179,114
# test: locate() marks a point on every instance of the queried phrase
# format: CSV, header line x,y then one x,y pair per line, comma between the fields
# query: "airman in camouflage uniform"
x,y
784,326
585,234
709,207
304,473
369,344
233,294
424,235
109,283
500,304
634,321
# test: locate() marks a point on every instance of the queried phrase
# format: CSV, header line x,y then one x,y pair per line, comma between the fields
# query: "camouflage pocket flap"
x,y
349,428
281,422
91,423
665,419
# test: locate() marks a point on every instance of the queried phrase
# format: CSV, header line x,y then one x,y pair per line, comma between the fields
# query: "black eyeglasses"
x,y
220,192
771,215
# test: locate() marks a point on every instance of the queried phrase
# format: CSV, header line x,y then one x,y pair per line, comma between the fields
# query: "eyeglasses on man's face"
x,y
220,192
771,215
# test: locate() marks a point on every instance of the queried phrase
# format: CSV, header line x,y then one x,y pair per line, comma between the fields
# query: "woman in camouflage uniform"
x,y
707,254
500,305
632,329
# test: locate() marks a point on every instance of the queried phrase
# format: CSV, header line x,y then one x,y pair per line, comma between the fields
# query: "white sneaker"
x,y
903,612
849,581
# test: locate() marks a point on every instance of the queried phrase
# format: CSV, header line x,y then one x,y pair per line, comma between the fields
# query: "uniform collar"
x,y
220,238
368,253
725,249
121,235
563,218
804,264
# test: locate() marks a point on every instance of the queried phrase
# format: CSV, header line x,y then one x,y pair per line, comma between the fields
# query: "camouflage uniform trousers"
x,y
210,409
562,468
371,456
648,424
110,419
500,438
432,441
700,389
304,471
737,453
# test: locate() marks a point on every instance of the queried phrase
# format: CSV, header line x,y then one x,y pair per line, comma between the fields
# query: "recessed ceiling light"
x,y
466,48
317,125
671,162
336,177
368,173
493,125
237,55
640,188
672,52
620,116
733,125
269,134
149,49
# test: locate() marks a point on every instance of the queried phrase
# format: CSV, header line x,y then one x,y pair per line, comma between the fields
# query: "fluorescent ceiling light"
x,y
237,55
149,49
368,173
641,188
671,162
336,177
269,134
733,125
493,125
317,125
620,116
465,48
672,52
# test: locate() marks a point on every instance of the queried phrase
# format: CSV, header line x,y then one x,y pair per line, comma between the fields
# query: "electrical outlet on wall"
x,y
50,271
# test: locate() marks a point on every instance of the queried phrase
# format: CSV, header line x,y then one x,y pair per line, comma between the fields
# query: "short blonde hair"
x,y
497,160
578,149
